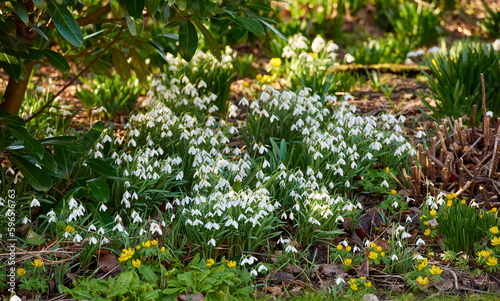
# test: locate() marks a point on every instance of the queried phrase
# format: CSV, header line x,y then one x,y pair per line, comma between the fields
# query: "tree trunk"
x,y
14,94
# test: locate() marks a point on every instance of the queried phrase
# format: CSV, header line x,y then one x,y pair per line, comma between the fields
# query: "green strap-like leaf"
x,y
277,32
188,39
21,11
211,42
153,6
91,137
120,62
56,60
250,24
30,143
99,189
135,7
35,176
140,67
11,65
101,167
65,23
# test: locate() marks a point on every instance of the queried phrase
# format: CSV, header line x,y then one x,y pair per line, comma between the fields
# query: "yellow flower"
x,y
393,192
276,62
348,248
137,247
258,77
422,264
379,248
362,277
492,261
387,169
37,263
348,261
126,254
494,209
373,245
494,230
354,286
448,196
426,223
373,255
314,55
449,203
463,202
433,212
434,62
427,232
382,254
162,249
495,241
368,284
21,271
232,264
224,260
484,253
70,229
422,281
246,84
339,247
136,263
154,242
210,263
454,195
435,270
146,244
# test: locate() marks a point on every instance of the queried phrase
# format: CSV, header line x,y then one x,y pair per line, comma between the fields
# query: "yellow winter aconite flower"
x,y
276,62
454,195
354,286
210,262
422,281
368,284
433,212
373,255
258,77
393,192
379,248
246,84
448,196
373,245
126,254
422,264
492,261
154,242
484,253
494,209
37,263
495,241
232,264
162,249
21,271
348,261
70,229
146,244
435,270
427,232
137,247
382,254
434,62
348,248
463,202
314,55
387,169
136,263
449,203
339,247
494,230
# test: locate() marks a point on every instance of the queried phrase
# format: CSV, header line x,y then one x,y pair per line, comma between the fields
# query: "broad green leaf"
x,y
101,167
131,25
30,143
135,7
65,159
188,39
250,24
148,274
116,9
120,62
153,6
11,119
158,49
21,11
239,32
140,67
34,239
66,142
91,137
170,36
65,23
277,32
10,65
56,60
210,40
39,31
35,176
41,4
99,189
49,162
151,295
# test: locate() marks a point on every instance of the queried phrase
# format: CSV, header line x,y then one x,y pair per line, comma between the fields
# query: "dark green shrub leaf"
x,y
188,39
65,23
35,176
99,189
56,60
250,24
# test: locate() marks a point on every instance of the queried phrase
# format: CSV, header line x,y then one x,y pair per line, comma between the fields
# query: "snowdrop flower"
x,y
262,268
211,242
103,207
368,243
405,235
339,281
77,238
318,44
92,228
35,203
408,61
496,45
348,58
52,216
105,241
433,50
155,228
289,248
26,220
489,114
420,242
253,272
100,231
394,257
384,183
